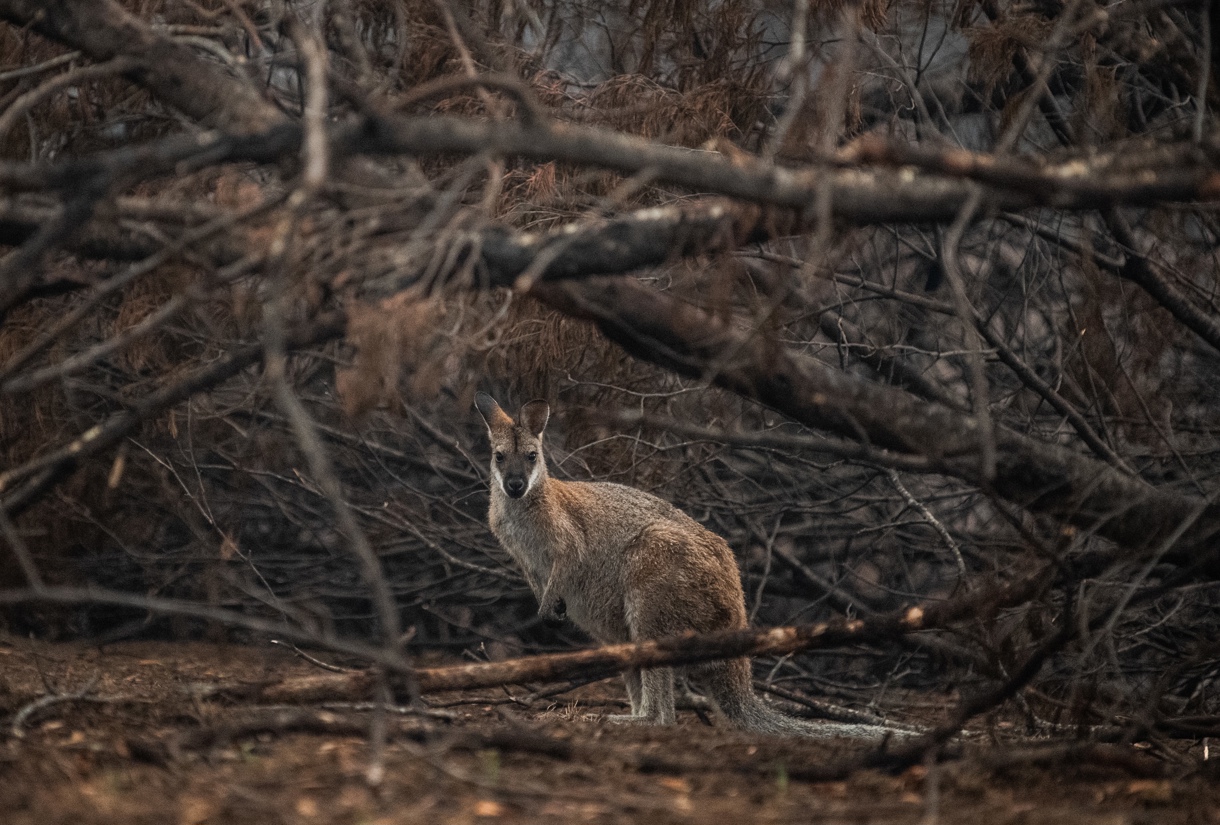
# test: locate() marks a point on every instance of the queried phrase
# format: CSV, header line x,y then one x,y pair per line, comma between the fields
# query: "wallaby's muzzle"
x,y
514,485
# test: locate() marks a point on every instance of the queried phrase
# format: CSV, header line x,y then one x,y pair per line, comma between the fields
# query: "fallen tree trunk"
x,y
673,651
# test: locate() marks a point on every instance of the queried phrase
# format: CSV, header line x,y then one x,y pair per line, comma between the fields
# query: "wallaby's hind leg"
x,y
652,696
703,595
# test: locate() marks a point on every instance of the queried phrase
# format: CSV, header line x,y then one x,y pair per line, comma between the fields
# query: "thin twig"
x,y
316,662
39,68
793,69
529,109
120,281
24,558
773,440
980,394
315,151
932,520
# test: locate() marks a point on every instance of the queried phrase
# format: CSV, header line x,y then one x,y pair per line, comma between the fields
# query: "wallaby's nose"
x,y
514,486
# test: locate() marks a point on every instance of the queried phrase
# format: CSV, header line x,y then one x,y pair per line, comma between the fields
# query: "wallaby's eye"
x,y
499,458
532,457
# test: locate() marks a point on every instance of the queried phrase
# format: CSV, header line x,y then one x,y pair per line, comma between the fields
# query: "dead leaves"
x,y
399,338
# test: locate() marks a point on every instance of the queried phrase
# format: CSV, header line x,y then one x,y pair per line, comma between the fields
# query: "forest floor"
x,y
142,742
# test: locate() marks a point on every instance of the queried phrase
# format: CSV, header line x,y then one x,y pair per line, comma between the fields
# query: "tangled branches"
x,y
896,321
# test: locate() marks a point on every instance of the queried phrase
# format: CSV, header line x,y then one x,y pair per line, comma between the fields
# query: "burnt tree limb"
x,y
103,29
871,181
1137,269
1047,478
674,651
859,194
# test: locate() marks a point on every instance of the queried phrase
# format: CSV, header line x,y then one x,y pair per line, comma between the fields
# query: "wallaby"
x,y
626,565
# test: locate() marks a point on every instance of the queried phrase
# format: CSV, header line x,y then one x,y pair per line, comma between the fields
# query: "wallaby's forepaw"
x,y
552,607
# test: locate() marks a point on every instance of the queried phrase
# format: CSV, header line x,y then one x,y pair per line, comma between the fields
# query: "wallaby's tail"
x,y
728,683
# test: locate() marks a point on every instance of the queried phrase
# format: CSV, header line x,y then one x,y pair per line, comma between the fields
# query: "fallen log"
x,y
673,651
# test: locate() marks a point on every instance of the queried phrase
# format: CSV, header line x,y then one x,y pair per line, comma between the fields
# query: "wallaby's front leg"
x,y
657,700
631,677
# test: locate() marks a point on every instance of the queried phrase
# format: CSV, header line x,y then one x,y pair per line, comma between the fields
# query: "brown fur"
x,y
627,565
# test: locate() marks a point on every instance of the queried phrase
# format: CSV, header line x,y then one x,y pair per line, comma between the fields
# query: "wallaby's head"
x,y
516,446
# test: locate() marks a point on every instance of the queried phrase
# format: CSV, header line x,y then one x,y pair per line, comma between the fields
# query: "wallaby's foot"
x,y
631,719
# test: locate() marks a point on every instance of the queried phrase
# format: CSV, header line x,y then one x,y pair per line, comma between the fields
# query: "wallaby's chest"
x,y
530,540
554,551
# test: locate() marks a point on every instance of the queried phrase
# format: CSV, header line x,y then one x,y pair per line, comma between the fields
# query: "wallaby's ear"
x,y
491,412
534,416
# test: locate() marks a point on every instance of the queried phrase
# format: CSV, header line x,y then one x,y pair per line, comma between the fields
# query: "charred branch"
x,y
1046,478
